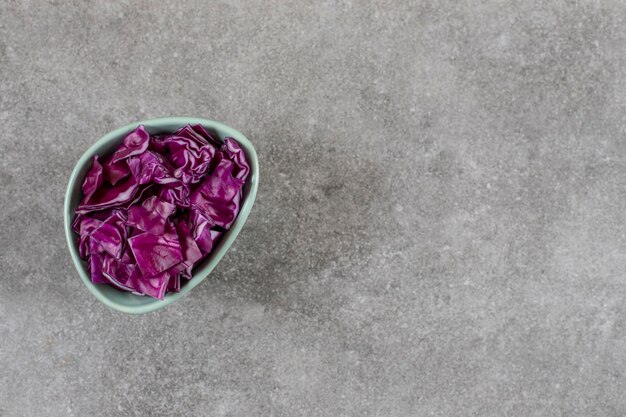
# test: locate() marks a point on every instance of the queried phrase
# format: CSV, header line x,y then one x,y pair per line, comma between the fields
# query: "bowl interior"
x,y
131,303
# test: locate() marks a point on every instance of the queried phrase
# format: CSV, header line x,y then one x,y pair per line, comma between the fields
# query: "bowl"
x,y
131,303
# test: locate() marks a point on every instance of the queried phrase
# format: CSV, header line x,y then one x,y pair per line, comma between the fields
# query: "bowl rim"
x,y
226,241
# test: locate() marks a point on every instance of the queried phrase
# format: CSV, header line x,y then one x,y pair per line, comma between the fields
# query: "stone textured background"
x,y
439,231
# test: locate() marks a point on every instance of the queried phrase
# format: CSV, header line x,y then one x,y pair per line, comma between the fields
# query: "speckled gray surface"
x,y
439,231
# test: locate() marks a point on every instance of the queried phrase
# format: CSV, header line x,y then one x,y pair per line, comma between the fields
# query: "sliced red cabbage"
x,y
135,143
119,273
114,172
219,195
176,193
151,215
174,283
156,253
154,209
151,167
233,152
95,269
200,226
93,180
110,235
153,286
86,226
109,196
188,153
202,132
188,247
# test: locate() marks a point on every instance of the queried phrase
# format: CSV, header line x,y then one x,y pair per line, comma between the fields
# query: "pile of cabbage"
x,y
156,207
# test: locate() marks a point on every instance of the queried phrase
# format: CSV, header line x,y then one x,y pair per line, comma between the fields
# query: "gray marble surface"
x,y
439,230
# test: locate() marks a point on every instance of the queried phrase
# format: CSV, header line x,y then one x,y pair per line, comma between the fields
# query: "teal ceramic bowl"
x,y
131,303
